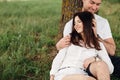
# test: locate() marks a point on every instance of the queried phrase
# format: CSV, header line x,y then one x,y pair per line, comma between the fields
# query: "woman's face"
x,y
78,25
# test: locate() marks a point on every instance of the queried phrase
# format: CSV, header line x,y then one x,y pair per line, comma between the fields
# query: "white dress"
x,y
70,60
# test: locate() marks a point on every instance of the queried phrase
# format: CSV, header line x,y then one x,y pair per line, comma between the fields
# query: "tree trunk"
x,y
69,7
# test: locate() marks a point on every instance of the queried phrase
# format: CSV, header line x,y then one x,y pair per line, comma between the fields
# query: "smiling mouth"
x,y
78,29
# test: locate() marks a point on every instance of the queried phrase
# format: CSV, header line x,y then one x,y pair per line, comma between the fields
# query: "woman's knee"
x,y
101,64
97,67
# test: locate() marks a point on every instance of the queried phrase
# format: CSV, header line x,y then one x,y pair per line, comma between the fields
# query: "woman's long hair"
x,y
90,39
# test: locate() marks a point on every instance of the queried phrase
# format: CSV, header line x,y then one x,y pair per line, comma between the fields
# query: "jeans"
x,y
116,62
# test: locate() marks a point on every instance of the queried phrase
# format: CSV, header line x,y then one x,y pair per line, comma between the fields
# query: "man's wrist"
x,y
51,77
57,46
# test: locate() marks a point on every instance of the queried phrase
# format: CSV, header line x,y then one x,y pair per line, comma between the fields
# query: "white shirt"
x,y
74,56
103,28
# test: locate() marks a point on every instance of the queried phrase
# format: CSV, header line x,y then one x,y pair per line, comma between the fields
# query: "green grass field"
x,y
28,32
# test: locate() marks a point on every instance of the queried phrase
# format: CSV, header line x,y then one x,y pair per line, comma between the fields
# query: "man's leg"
x,y
116,62
99,69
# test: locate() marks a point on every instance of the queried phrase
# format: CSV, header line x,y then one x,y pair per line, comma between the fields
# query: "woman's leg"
x,y
100,70
78,77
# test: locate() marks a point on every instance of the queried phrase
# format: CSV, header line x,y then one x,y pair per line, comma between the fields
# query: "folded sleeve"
x,y
57,61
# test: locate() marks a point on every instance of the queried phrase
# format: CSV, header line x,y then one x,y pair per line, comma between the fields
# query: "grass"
x,y
28,32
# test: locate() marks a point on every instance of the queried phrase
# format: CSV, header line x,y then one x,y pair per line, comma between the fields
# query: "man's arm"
x,y
109,45
51,77
107,40
64,42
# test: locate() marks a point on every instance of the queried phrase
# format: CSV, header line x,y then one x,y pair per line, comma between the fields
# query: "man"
x,y
105,36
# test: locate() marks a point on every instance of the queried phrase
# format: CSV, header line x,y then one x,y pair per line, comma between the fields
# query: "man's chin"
x,y
92,11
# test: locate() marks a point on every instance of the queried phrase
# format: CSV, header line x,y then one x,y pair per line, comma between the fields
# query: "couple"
x,y
103,29
70,62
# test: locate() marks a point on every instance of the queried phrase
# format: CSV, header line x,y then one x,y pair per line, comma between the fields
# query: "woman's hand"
x,y
88,61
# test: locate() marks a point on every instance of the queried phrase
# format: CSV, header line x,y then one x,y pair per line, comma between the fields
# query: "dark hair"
x,y
90,39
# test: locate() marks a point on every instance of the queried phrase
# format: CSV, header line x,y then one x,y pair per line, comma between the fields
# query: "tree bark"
x,y
69,7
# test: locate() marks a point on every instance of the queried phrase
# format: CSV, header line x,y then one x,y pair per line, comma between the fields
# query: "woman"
x,y
69,62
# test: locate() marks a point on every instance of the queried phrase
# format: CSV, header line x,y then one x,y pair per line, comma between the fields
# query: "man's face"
x,y
91,5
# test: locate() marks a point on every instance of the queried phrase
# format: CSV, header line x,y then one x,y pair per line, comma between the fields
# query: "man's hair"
x,y
91,40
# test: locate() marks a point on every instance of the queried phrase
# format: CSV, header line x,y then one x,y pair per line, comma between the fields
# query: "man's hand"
x,y
64,42
108,43
94,27
51,77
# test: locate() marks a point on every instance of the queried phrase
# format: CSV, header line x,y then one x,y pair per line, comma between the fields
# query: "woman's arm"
x,y
57,61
